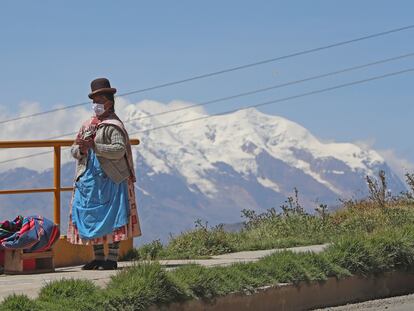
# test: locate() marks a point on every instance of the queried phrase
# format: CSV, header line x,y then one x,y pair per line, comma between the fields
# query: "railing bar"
x,y
66,189
15,191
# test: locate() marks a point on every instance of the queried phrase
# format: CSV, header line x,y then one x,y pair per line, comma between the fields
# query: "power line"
x,y
270,60
324,75
28,156
324,90
215,73
332,73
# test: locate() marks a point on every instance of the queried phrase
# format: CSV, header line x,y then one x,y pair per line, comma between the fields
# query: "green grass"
x,y
367,237
272,230
369,254
140,286
17,303
69,294
293,226
146,284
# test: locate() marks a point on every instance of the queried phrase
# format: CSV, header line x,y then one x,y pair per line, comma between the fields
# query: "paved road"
x,y
30,284
401,303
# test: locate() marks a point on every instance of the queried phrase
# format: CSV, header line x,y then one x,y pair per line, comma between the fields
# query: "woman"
x,y
103,208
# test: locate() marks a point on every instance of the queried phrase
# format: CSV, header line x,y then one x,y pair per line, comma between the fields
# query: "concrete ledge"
x,y
67,254
305,296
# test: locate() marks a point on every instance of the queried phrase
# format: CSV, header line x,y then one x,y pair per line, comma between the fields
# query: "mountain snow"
x,y
237,139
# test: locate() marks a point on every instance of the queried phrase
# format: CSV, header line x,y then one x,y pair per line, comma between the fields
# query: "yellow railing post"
x,y
57,184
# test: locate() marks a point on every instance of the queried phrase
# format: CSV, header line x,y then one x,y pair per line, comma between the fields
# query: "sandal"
x,y
93,265
109,265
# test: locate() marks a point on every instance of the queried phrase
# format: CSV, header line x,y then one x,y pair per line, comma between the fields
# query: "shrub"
x,y
197,281
18,303
139,286
70,294
200,242
367,254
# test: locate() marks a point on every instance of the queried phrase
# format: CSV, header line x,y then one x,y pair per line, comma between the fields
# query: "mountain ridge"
x,y
213,168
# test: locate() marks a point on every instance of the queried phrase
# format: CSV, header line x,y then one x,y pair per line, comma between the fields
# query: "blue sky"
x,y
51,50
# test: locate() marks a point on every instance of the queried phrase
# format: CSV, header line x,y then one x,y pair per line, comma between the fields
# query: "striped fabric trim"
x,y
99,252
113,251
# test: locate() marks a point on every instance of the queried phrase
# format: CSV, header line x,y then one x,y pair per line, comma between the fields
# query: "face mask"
x,y
98,108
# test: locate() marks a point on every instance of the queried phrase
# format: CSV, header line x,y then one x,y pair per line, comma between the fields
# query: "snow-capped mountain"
x,y
214,167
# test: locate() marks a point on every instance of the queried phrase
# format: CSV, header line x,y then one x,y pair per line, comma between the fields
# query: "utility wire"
x,y
270,60
332,73
30,156
324,90
215,73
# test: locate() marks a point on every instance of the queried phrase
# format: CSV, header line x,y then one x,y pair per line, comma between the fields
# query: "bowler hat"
x,y
101,85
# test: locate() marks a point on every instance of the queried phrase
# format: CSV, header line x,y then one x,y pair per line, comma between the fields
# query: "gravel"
x,y
400,303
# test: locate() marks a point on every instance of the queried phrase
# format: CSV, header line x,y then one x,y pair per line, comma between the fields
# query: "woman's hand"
x,y
85,144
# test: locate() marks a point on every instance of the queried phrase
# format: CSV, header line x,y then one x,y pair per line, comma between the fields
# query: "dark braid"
x,y
110,96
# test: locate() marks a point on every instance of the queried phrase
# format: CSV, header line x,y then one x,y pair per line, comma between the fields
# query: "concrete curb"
x,y
305,296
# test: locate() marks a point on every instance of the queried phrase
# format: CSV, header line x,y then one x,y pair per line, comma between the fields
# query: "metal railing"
x,y
57,189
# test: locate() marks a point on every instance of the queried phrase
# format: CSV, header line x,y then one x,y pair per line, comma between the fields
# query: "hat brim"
x,y
110,90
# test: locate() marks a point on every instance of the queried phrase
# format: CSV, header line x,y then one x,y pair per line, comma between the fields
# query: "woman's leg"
x,y
111,261
113,251
99,252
